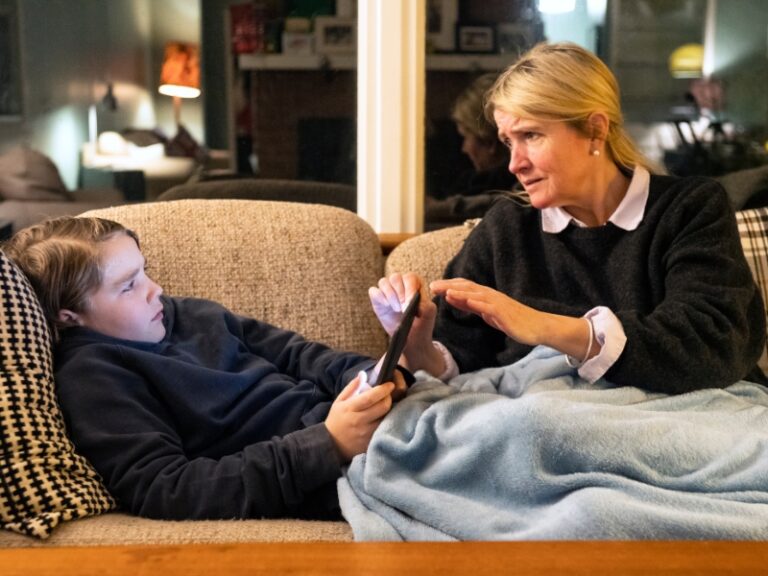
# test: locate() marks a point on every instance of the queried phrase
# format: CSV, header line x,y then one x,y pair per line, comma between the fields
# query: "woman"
x,y
634,276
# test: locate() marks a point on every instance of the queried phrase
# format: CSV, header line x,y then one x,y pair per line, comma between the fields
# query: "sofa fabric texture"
x,y
44,482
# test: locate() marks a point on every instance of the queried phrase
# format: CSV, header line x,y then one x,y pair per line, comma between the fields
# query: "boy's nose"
x,y
155,291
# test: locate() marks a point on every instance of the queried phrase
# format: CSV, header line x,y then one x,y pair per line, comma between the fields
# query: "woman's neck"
x,y
611,186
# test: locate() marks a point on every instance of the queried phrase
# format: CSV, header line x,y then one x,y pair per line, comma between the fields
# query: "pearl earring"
x,y
595,152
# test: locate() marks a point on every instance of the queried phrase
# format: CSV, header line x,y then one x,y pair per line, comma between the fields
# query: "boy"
x,y
187,410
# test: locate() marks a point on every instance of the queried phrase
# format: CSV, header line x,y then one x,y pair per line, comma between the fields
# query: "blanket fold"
x,y
531,451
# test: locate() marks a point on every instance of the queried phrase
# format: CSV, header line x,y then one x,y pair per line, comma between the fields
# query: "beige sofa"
x,y
302,266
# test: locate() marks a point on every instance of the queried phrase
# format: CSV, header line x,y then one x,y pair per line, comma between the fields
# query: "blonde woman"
x,y
634,276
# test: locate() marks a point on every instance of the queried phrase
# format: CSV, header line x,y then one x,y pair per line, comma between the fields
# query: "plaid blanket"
x,y
753,231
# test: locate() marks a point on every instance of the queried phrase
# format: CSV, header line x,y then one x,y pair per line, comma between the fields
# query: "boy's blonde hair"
x,y
565,82
60,257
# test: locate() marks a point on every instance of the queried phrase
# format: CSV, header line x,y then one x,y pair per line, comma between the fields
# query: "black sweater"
x,y
679,284
221,419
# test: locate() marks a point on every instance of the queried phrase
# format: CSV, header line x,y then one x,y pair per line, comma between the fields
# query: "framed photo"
x,y
512,38
298,43
335,35
10,68
442,16
479,39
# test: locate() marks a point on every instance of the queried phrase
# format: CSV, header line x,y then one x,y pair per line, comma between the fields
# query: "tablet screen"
x,y
397,343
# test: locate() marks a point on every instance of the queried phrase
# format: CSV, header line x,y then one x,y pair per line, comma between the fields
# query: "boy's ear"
x,y
68,317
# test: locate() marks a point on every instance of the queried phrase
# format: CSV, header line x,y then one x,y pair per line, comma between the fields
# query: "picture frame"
x,y
513,38
10,63
476,39
442,16
334,35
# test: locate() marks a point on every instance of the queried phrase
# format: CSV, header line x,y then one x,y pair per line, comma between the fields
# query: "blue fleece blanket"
x,y
530,451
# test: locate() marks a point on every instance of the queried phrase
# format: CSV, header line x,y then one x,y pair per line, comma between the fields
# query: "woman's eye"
x,y
530,135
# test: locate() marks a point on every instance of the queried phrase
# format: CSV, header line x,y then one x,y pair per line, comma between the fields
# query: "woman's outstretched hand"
x,y
570,335
518,321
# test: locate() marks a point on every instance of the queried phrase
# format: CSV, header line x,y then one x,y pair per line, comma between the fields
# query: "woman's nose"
x,y
518,160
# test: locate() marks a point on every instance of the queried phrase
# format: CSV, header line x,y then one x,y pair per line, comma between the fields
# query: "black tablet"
x,y
397,343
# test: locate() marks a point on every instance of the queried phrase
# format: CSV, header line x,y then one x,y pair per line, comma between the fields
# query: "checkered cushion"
x,y
753,230
42,481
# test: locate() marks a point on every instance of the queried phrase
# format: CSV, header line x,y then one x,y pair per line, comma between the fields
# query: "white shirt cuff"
x,y
451,368
610,335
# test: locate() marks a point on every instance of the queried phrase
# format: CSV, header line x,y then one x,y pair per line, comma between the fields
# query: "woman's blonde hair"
x,y
564,82
60,258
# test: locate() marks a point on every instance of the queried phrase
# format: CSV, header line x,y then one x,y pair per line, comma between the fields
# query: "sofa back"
x,y
305,267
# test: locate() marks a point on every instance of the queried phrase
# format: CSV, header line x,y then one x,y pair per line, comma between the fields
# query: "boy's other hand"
x,y
353,418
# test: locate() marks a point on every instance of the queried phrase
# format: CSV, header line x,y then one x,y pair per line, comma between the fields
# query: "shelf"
x,y
449,62
469,62
296,62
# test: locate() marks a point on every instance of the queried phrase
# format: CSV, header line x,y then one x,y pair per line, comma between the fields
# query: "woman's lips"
x,y
531,182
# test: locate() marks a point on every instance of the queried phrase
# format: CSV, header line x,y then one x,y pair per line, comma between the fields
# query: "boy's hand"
x,y
390,297
353,418
389,300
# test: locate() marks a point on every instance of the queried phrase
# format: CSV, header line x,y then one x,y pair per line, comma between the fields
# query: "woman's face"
x,y
550,159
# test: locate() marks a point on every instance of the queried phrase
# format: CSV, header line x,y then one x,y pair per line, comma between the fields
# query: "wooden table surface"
x,y
383,559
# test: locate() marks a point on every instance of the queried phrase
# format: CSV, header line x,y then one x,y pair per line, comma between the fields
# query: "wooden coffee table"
x,y
384,559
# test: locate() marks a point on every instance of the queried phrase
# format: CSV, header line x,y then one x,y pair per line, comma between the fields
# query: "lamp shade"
x,y
180,75
687,61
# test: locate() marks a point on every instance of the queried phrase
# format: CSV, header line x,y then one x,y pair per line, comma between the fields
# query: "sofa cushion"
x,y
753,231
26,174
746,188
43,481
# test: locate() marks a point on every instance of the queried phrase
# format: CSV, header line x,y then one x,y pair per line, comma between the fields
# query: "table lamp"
x,y
180,75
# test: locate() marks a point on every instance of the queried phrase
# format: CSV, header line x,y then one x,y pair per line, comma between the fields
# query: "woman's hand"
x,y
389,300
522,323
518,321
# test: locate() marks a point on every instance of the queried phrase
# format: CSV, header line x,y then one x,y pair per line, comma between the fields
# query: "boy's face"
x,y
127,303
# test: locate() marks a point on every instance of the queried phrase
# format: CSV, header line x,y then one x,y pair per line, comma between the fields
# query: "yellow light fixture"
x,y
180,75
687,61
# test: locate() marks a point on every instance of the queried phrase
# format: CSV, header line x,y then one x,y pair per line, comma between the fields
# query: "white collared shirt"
x,y
607,327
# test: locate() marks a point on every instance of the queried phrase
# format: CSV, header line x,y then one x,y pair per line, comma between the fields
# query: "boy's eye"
x,y
128,287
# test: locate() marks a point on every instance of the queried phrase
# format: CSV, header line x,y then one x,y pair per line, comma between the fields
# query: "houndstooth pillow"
x,y
42,481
